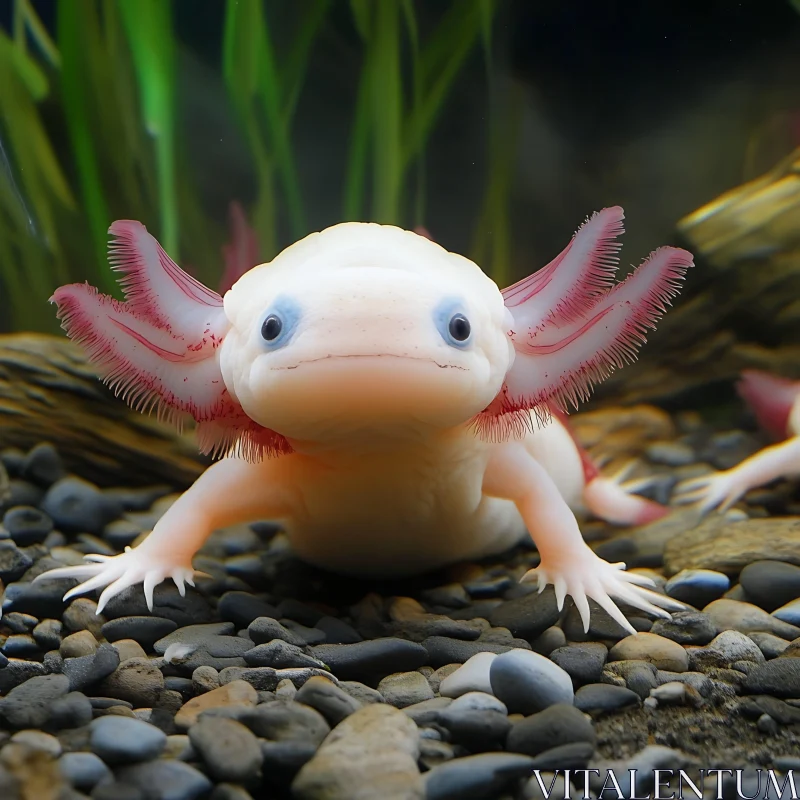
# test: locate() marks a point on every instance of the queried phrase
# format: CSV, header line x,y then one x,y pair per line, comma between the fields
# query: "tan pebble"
x,y
650,647
78,644
236,693
372,753
128,648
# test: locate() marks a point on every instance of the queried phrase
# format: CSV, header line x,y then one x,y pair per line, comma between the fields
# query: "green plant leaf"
x,y
148,26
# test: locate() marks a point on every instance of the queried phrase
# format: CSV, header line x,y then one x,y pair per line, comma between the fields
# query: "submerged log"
x,y
49,393
740,308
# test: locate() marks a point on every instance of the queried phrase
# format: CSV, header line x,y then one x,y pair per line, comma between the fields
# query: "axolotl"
x,y
382,398
775,402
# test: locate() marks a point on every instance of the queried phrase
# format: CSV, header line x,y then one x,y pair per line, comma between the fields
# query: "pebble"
x,y
779,677
308,635
697,587
770,584
403,689
747,618
81,615
121,533
78,644
48,634
478,776
359,691
280,655
19,623
28,705
21,645
281,761
559,724
128,648
84,770
428,711
121,740
686,627
549,640
43,599
243,608
229,749
453,595
582,662
42,465
280,720
75,506
189,610
379,745
27,525
602,697
771,646
73,710
724,650
330,700
477,730
670,693
144,630
779,710
371,659
13,561
137,680
529,616
205,679
84,671
236,694
478,701
565,756
444,650
174,779
662,652
528,682
602,627
38,740
789,613
471,676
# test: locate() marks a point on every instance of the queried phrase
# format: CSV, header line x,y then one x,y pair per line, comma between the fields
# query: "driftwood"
x,y
49,393
740,307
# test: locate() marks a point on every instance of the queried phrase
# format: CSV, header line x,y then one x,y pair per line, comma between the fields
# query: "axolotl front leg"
x,y
228,492
567,561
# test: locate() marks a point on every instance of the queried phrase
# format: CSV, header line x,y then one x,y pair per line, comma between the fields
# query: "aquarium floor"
x,y
222,694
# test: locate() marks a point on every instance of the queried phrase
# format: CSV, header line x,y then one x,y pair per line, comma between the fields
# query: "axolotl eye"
x,y
280,322
453,324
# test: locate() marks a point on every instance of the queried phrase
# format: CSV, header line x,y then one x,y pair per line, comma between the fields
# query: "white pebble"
x,y
471,676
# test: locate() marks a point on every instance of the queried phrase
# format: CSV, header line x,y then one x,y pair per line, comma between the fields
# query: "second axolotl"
x,y
381,397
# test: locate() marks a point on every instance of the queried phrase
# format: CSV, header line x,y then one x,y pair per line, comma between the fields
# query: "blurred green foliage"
x,y
109,77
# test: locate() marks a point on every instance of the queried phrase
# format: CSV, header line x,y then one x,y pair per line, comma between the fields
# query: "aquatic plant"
x,y
90,131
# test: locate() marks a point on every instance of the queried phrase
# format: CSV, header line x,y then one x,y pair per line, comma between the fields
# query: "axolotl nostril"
x,y
382,398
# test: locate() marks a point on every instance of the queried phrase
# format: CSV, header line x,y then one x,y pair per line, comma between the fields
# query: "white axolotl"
x,y
380,396
776,403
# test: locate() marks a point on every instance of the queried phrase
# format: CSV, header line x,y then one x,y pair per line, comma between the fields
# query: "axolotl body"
x,y
382,398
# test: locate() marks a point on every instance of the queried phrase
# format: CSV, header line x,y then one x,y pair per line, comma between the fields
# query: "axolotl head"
x,y
361,325
365,326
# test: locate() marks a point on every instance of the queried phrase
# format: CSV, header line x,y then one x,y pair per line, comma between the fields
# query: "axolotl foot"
x,y
587,576
117,573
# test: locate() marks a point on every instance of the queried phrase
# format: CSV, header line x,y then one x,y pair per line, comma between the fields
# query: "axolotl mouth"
x,y
374,356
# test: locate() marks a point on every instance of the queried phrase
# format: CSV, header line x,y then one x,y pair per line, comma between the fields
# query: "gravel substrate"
x,y
275,680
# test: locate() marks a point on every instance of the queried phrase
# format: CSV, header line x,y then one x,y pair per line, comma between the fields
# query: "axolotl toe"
x,y
382,398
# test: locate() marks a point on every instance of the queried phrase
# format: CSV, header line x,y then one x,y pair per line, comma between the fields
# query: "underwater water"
x,y
367,521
